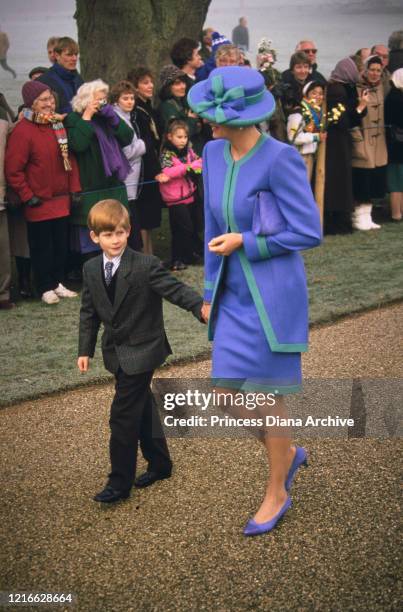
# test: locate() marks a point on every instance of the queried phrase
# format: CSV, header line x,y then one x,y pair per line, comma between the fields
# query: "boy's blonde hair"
x,y
107,215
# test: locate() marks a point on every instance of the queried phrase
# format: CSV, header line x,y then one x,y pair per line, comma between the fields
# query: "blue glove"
x,y
109,114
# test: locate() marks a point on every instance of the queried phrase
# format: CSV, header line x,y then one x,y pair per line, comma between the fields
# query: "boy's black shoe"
x,y
148,478
110,495
178,266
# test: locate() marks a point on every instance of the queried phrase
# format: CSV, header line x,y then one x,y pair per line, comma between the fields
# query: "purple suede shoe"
x,y
300,458
252,528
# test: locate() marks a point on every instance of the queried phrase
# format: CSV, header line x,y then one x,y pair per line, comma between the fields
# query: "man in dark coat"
x,y
185,55
240,35
63,77
395,44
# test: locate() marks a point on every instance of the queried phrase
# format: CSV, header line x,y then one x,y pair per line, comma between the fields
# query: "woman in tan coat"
x,y
369,155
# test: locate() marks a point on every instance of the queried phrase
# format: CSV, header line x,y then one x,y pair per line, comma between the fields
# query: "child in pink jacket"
x,y
181,164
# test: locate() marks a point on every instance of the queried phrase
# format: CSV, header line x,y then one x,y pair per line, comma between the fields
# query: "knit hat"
x,y
232,95
217,40
32,90
169,74
37,70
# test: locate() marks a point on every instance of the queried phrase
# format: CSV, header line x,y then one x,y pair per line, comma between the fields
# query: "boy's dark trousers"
x,y
134,343
134,418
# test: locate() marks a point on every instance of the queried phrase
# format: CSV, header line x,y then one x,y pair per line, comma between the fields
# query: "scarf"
x,y
113,159
364,80
58,129
146,107
68,80
312,117
345,72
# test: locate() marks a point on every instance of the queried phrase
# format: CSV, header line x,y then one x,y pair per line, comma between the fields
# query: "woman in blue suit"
x,y
259,213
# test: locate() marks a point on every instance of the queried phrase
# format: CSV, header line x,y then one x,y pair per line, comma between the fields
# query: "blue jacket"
x,y
270,180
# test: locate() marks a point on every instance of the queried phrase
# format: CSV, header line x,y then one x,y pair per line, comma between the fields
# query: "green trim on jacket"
x,y
230,185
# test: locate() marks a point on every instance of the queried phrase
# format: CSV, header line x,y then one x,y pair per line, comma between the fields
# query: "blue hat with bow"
x,y
232,95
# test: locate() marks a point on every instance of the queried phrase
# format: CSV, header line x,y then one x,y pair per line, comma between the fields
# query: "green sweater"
x,y
173,108
84,143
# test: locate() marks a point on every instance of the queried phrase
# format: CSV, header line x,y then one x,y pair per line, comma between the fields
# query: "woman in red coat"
x,y
42,172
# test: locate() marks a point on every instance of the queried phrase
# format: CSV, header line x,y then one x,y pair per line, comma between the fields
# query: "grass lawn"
x,y
345,275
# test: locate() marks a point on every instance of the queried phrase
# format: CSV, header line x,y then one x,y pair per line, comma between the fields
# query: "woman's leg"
x,y
41,249
280,455
147,241
396,205
60,236
135,241
23,265
277,443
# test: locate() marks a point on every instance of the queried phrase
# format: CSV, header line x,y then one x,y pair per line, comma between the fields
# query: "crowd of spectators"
x,y
72,143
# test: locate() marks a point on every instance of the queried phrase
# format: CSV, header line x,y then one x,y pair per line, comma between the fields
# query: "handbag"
x,y
267,217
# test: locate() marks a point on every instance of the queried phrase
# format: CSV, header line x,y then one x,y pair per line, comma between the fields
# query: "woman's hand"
x,y
364,99
225,244
90,110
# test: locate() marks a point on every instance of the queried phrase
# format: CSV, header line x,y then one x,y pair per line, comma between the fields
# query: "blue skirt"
x,y
242,357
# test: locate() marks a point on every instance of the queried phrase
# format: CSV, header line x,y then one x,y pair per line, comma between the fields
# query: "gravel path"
x,y
178,545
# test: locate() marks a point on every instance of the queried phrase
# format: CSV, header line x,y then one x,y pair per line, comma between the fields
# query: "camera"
x,y
102,103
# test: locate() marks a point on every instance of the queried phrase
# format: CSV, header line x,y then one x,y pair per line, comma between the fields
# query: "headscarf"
x,y
372,59
345,71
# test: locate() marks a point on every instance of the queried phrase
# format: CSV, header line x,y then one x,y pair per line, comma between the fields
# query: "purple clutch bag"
x,y
267,218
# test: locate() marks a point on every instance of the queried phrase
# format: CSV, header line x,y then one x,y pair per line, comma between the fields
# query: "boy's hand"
x,y
205,312
83,364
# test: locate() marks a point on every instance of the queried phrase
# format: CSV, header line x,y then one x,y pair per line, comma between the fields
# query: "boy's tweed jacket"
x,y
134,336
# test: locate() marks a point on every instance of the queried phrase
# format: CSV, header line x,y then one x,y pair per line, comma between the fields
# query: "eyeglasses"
x,y
309,50
47,99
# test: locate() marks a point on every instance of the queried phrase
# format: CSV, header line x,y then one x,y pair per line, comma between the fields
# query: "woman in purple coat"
x,y
259,213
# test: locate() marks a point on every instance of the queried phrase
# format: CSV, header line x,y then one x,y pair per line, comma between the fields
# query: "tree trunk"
x,y
115,36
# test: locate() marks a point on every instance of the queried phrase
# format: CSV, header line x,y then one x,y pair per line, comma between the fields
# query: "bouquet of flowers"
x,y
334,114
266,55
